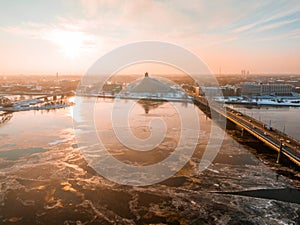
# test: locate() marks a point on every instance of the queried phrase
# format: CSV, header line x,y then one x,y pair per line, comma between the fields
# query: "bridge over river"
x,y
275,139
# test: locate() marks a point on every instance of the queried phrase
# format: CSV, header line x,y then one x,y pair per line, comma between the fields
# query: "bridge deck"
x,y
275,139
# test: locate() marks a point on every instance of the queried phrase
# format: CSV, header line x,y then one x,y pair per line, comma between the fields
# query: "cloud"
x,y
268,16
107,24
245,27
285,10
294,34
68,37
275,25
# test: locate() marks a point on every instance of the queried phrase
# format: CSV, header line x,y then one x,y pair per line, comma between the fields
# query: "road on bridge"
x,y
277,140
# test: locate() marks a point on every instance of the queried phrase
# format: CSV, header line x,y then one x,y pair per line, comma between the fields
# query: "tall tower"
x,y
57,79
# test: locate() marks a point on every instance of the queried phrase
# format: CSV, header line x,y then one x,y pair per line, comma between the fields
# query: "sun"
x,y
69,42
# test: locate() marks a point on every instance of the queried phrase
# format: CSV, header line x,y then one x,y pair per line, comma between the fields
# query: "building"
x,y
210,92
228,90
257,89
277,89
5,102
151,88
249,88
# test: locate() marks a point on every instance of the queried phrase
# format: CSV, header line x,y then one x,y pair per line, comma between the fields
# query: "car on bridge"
x,y
268,127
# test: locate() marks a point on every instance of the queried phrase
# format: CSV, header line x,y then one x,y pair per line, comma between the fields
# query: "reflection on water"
x,y
148,104
5,117
44,179
143,128
128,146
29,129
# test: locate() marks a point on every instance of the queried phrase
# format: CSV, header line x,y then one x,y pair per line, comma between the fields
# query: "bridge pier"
x,y
279,152
242,134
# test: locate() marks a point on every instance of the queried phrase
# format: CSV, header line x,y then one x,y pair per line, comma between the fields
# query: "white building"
x,y
154,89
255,89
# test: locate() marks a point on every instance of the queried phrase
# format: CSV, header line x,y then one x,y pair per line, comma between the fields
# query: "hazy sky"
x,y
45,37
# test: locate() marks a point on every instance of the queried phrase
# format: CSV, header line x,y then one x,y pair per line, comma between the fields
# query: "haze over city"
x,y
45,37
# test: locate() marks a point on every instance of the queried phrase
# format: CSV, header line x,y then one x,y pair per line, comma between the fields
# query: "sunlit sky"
x,y
45,37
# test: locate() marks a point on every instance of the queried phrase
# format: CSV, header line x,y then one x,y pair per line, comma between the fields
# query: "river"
x,y
45,177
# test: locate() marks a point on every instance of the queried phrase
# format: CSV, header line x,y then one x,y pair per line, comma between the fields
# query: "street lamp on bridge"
x,y
280,149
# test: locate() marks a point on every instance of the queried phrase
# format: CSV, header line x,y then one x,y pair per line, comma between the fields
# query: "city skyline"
x,y
68,36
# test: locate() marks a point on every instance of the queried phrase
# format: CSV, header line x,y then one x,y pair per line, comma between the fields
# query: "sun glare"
x,y
70,42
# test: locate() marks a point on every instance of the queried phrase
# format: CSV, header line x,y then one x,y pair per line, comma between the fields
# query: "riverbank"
x,y
263,101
